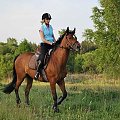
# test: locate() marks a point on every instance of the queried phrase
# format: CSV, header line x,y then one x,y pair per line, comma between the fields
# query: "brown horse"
x,y
55,70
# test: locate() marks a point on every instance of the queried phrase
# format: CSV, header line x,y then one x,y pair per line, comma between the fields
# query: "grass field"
x,y
89,98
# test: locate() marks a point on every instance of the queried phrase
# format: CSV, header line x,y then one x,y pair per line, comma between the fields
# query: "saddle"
x,y
33,63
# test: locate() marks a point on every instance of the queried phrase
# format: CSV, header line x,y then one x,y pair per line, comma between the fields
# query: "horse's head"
x,y
70,41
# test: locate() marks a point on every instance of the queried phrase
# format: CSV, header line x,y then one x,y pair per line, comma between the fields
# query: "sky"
x,y
21,19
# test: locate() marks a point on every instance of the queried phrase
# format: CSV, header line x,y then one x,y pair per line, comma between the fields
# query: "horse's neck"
x,y
62,54
61,57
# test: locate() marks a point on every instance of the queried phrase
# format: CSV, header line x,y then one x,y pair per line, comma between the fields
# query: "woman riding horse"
x,y
55,70
47,36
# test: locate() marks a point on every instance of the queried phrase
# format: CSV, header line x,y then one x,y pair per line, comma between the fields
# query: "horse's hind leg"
x,y
62,87
18,83
27,90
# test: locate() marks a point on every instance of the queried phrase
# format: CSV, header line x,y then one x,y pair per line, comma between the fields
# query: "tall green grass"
x,y
89,98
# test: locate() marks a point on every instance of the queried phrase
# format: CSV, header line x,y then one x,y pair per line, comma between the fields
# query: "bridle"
x,y
71,47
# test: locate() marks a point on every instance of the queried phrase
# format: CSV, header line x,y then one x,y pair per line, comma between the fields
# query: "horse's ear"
x,y
67,31
74,31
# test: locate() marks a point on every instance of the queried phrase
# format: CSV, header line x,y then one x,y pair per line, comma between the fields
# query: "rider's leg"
x,y
41,61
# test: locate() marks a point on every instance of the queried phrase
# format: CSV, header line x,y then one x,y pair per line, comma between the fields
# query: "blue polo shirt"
x,y
48,32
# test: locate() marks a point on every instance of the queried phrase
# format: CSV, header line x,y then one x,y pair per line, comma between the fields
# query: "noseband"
x,y
71,47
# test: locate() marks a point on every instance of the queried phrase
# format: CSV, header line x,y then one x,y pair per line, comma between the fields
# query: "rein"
x,y
64,47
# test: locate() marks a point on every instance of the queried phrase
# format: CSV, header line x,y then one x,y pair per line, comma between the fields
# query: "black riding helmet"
x,y
47,16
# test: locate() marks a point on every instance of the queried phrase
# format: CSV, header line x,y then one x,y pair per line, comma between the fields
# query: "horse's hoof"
x,y
56,109
18,105
27,103
18,101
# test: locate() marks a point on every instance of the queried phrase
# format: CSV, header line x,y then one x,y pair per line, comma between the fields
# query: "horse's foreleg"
x,y
54,94
62,87
27,90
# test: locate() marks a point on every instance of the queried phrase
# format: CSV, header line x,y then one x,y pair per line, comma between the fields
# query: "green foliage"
x,y
87,46
89,64
4,49
24,46
6,57
106,36
8,51
78,66
112,15
12,41
61,32
71,62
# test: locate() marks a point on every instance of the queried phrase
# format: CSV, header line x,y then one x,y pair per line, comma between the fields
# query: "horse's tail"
x,y
11,86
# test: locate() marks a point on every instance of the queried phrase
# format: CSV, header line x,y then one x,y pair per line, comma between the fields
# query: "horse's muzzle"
x,y
76,47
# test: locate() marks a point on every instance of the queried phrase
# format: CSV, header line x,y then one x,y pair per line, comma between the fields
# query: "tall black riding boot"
x,y
44,74
38,71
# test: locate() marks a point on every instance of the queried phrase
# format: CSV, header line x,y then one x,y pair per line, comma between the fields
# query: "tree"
x,y
87,46
4,48
78,64
12,45
107,36
24,46
71,62
61,32
89,64
12,41
8,51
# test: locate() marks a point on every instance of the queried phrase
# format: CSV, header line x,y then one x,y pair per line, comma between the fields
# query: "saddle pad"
x,y
33,62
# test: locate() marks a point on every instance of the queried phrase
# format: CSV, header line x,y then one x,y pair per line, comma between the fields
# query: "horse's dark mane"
x,y
59,40
61,37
